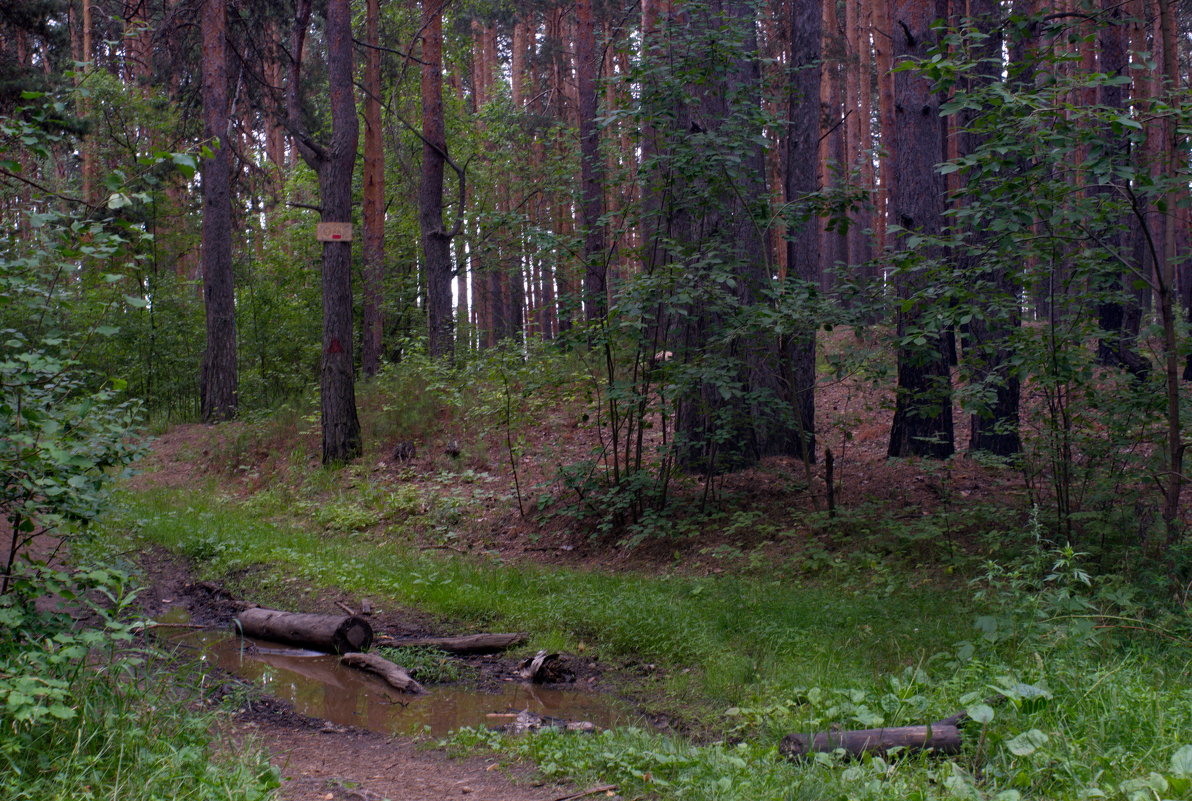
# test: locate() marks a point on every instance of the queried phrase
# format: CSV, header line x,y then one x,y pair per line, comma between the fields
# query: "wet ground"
x,y
338,735
317,685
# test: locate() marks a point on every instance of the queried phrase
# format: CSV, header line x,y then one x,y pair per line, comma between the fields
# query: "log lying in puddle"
x,y
466,644
942,738
335,634
394,675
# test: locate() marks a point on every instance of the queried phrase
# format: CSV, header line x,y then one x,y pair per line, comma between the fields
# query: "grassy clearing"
x,y
1092,710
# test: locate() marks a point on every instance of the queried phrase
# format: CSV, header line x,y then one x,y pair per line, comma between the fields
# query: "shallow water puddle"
x,y
318,686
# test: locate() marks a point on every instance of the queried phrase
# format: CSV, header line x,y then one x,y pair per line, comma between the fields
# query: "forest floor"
x,y
458,495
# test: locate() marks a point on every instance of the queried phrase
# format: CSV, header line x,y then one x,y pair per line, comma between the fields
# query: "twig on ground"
x,y
606,788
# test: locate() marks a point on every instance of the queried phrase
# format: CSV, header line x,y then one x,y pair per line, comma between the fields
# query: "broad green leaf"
x,y
1181,761
980,713
1027,743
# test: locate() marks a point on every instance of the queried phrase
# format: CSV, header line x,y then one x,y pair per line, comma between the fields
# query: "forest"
x,y
720,399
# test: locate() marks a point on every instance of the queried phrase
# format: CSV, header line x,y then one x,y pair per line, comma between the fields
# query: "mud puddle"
x,y
316,685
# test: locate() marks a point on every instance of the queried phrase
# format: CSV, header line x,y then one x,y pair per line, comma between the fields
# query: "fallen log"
x,y
943,739
394,675
330,633
467,644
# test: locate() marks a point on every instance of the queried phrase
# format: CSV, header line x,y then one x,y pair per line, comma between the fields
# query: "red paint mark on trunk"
x,y
335,347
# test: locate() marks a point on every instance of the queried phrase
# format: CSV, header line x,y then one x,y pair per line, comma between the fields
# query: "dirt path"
x,y
333,763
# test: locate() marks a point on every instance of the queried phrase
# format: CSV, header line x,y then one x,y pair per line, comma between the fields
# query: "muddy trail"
x,y
337,734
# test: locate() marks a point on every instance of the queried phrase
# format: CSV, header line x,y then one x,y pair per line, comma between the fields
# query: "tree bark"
x,y
374,200
803,258
333,164
922,424
329,633
436,242
218,385
591,168
994,430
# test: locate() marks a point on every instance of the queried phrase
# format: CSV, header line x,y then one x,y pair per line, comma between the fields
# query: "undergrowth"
x,y
1074,687
86,715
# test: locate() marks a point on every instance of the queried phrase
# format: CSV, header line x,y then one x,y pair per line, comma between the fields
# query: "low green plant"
x,y
89,716
427,665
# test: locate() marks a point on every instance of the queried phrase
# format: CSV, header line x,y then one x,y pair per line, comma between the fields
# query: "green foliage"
x,y
1019,231
60,443
89,717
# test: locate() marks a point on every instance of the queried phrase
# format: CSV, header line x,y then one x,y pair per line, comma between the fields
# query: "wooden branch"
x,y
604,788
311,151
466,644
384,49
45,189
394,675
937,738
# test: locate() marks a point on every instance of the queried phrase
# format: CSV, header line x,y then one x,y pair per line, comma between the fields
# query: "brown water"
x,y
318,686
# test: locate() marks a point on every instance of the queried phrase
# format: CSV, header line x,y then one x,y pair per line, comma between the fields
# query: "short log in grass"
x,y
941,738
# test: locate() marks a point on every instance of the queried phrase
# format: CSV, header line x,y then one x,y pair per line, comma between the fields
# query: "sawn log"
x,y
394,675
942,738
466,644
335,634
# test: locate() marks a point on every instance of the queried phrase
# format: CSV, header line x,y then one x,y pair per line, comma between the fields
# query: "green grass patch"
x,y
428,665
727,640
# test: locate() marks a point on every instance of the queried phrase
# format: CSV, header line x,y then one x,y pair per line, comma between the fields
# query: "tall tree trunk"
x,y
750,411
374,199
803,258
90,165
218,385
591,169
333,164
1115,346
990,332
883,56
922,424
436,242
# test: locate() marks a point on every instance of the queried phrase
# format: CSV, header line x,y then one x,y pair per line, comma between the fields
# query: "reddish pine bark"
x,y
803,256
333,163
436,242
591,170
